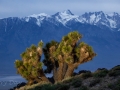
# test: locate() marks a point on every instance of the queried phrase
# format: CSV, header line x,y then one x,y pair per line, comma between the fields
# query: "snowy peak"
x,y
39,18
67,12
95,13
100,13
65,16
92,17
113,14
99,19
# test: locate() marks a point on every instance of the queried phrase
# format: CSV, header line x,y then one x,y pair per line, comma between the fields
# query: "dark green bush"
x,y
51,87
100,73
83,88
68,80
45,87
83,71
94,82
86,75
76,83
111,86
63,87
114,73
115,86
118,82
116,67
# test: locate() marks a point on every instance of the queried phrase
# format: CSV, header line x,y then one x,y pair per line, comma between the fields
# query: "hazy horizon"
x,y
78,7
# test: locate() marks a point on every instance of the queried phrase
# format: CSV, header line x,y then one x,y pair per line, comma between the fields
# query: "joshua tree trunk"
x,y
30,82
38,80
55,72
65,67
44,78
60,71
69,71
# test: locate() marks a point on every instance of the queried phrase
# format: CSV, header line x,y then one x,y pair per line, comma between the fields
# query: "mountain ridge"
x,y
93,18
112,21
16,34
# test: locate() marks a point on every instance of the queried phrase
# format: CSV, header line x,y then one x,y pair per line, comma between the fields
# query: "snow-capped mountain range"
x,y
100,30
111,21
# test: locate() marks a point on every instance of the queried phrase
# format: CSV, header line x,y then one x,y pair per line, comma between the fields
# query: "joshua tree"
x,y
67,55
30,66
61,58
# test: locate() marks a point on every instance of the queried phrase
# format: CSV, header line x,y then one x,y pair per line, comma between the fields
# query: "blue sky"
x,y
22,8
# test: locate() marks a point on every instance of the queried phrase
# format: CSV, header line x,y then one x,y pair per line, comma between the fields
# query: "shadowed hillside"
x,y
101,79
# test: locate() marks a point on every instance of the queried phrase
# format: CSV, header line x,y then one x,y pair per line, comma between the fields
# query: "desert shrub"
x,y
76,83
114,86
110,85
63,87
74,73
18,86
45,87
86,75
117,85
83,71
118,82
57,85
83,88
100,73
94,82
68,80
115,71
116,67
37,86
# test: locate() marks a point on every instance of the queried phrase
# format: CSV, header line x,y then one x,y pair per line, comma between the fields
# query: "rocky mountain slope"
x,y
101,79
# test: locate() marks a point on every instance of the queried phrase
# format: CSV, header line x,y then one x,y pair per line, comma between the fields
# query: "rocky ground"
x,y
101,79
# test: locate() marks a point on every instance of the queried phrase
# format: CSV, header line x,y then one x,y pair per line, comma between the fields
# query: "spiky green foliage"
x,y
18,63
40,44
49,53
30,66
60,57
67,54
